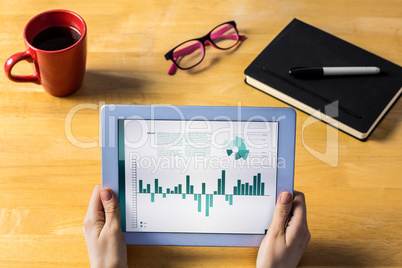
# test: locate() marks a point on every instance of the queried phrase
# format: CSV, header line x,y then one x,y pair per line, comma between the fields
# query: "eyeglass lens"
x,y
191,53
188,54
224,36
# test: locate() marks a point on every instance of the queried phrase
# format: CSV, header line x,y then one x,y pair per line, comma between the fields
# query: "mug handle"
x,y
11,61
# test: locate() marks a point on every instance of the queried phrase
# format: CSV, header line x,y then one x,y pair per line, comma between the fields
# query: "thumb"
x,y
282,210
111,207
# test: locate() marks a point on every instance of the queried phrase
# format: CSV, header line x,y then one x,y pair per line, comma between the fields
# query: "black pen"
x,y
305,72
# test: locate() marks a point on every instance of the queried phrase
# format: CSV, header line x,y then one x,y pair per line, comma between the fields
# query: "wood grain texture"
x,y
46,177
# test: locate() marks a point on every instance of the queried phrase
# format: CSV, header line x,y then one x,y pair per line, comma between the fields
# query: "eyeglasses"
x,y
190,53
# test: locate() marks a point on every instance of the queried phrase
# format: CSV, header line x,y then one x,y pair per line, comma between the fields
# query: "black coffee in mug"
x,y
56,38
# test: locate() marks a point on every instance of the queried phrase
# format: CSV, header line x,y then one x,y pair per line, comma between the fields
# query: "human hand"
x,y
102,230
284,246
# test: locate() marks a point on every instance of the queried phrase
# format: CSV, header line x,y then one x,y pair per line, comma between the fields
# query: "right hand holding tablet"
x,y
284,245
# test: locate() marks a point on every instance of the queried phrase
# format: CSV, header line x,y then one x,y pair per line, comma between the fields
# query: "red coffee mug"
x,y
60,72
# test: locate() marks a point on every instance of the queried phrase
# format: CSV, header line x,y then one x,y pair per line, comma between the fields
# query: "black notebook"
x,y
361,100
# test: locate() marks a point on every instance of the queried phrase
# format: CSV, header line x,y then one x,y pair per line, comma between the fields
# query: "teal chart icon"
x,y
238,147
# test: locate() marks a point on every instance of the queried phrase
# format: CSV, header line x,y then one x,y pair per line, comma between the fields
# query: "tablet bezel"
x,y
109,115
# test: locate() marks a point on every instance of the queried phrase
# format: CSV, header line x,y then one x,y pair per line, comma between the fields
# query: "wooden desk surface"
x,y
354,207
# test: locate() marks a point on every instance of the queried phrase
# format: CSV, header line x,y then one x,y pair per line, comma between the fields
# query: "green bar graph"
x,y
254,184
188,184
199,202
211,200
156,186
207,205
223,182
250,188
229,198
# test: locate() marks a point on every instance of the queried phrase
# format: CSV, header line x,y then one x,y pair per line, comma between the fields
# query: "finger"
x,y
95,204
111,207
94,219
282,210
297,228
299,209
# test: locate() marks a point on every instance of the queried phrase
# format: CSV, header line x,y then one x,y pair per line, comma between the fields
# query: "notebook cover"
x,y
361,98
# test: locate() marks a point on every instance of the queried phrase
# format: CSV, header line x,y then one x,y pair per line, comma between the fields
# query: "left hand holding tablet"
x,y
102,230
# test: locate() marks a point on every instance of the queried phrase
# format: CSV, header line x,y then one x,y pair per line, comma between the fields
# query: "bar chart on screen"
x,y
242,189
218,199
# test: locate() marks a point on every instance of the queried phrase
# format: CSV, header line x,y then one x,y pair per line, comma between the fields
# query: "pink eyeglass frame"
x,y
205,40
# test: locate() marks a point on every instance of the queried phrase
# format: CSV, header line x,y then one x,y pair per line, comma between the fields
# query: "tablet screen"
x,y
179,176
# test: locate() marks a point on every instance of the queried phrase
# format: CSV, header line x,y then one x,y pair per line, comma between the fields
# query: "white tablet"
x,y
199,176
